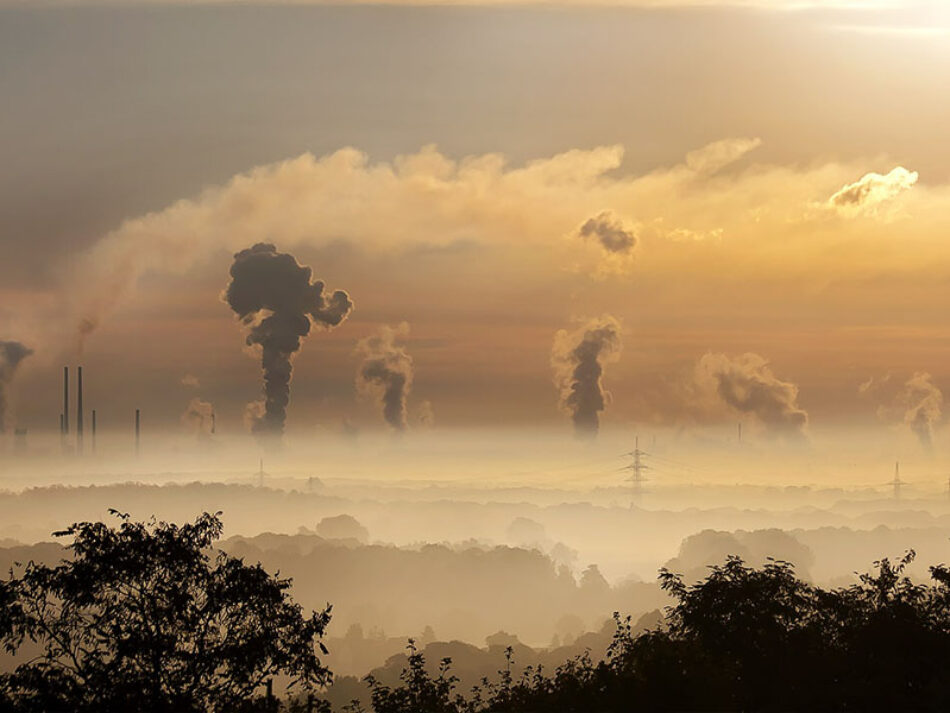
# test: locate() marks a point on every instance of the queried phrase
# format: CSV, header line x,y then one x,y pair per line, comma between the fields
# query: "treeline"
x,y
465,592
153,617
744,638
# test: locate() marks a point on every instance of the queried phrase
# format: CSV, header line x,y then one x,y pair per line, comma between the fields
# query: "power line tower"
x,y
637,467
897,482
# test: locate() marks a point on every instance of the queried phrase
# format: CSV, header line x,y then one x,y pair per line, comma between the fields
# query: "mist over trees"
x,y
153,617
744,638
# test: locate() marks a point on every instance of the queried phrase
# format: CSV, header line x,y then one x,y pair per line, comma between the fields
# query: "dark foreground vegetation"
x,y
147,617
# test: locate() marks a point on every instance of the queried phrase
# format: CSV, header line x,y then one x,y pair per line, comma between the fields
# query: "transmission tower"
x,y
897,482
637,467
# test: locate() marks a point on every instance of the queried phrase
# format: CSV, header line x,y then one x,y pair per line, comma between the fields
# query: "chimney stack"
x,y
65,400
79,410
137,430
93,431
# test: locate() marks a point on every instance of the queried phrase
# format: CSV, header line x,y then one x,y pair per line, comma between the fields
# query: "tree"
x,y
144,617
744,638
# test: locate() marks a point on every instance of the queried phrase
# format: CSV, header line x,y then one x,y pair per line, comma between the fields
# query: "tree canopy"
x,y
743,638
147,617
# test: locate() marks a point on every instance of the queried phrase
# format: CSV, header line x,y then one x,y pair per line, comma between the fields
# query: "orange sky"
x,y
748,230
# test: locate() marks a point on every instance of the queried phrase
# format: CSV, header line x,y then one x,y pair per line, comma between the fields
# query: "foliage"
x,y
742,639
144,617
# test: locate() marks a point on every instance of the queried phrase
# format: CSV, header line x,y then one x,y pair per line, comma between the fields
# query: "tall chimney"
x,y
65,400
137,430
79,410
93,431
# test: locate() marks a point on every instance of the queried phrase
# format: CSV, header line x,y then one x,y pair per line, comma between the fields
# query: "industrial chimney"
x,y
137,430
79,410
65,400
93,431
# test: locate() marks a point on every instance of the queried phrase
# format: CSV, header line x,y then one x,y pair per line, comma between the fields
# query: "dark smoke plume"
x,y
610,232
747,384
274,298
11,354
386,373
578,359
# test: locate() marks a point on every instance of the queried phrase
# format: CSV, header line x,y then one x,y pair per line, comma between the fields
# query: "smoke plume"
x,y
386,373
918,403
11,354
747,385
426,414
274,298
198,418
607,229
578,359
924,404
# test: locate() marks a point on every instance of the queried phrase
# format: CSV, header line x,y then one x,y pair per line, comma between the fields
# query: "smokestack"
x,y
79,410
137,430
65,400
62,433
213,423
93,431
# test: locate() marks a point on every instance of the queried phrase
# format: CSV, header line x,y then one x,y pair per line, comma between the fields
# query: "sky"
x,y
670,215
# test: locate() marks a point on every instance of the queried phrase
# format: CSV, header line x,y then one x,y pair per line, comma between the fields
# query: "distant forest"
x,y
155,617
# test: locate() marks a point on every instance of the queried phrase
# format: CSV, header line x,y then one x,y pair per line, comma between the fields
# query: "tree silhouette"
x,y
744,638
143,617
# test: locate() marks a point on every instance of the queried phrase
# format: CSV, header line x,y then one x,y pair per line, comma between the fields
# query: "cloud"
x,y
716,156
579,358
872,191
746,385
691,216
610,232
386,373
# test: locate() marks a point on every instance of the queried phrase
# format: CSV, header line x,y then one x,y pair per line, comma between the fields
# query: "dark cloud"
x,y
386,373
610,232
273,296
579,358
747,385
11,354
